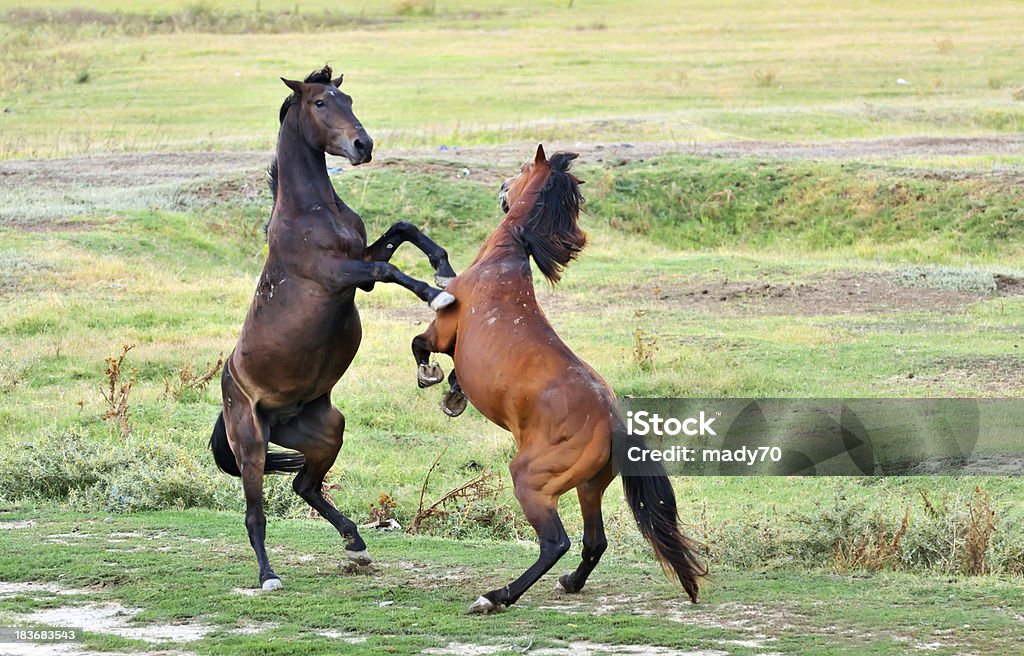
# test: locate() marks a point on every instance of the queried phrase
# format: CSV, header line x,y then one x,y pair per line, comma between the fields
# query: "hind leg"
x,y
246,434
318,432
594,541
541,510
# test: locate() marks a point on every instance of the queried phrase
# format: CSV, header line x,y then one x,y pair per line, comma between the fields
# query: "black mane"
x,y
551,234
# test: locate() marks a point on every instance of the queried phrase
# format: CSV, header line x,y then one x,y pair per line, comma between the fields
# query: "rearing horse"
x,y
517,372
303,329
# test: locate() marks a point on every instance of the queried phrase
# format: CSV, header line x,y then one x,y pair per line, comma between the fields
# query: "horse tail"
x,y
653,501
277,462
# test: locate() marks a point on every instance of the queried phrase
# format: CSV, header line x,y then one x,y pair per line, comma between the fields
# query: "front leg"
x,y
356,273
454,402
403,231
428,373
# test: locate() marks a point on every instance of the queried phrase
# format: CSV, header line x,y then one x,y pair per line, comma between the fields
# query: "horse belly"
x,y
298,359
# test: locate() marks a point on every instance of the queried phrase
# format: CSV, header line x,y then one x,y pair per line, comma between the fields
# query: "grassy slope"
x,y
494,71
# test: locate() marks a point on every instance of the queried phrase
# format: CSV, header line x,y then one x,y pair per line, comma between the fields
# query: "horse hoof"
x,y
441,301
443,281
454,403
429,374
483,605
359,557
272,584
563,584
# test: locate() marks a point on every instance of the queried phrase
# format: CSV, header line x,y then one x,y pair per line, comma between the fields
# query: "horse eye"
x,y
319,103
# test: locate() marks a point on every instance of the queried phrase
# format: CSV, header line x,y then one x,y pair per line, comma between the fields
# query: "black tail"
x,y
278,462
653,501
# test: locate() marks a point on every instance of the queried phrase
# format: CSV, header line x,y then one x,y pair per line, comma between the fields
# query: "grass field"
x,y
724,261
166,75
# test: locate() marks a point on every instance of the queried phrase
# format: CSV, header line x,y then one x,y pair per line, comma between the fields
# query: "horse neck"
x,y
303,182
501,244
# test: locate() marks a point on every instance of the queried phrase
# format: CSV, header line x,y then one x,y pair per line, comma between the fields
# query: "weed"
x,y
980,527
945,45
415,8
382,512
116,396
1018,94
874,550
470,504
995,83
644,349
765,78
188,383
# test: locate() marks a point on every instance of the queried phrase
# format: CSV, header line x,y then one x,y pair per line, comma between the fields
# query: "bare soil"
x,y
490,163
841,293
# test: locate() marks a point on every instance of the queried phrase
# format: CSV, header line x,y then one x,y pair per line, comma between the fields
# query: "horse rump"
x,y
652,500
278,462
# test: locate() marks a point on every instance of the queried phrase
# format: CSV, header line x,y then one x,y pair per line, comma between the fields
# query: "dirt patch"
x,y
114,619
1009,285
840,149
1001,375
828,294
13,526
569,649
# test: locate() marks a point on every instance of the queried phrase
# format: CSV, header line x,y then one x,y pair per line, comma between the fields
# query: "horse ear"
x,y
294,85
540,157
337,81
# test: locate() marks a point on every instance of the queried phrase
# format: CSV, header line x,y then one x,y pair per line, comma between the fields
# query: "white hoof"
x,y
441,301
359,557
272,584
443,281
483,605
559,587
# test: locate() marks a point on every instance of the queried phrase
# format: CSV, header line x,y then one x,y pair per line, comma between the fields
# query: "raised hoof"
x,y
483,605
359,557
272,584
429,374
443,281
441,301
454,403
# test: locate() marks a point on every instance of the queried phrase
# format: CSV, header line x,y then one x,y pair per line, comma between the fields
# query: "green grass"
x,y
491,72
177,283
429,582
92,259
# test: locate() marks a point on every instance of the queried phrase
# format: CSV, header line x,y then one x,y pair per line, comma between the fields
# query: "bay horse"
x,y
518,373
302,329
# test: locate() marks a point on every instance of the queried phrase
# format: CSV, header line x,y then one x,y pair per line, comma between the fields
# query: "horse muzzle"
x,y
357,151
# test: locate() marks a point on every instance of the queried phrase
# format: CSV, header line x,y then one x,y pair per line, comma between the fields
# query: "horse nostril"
x,y
360,146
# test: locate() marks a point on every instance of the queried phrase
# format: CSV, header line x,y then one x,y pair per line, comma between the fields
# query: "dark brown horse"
x,y
303,329
520,375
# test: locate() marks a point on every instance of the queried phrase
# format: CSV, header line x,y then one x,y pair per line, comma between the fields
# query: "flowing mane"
x,y
551,234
